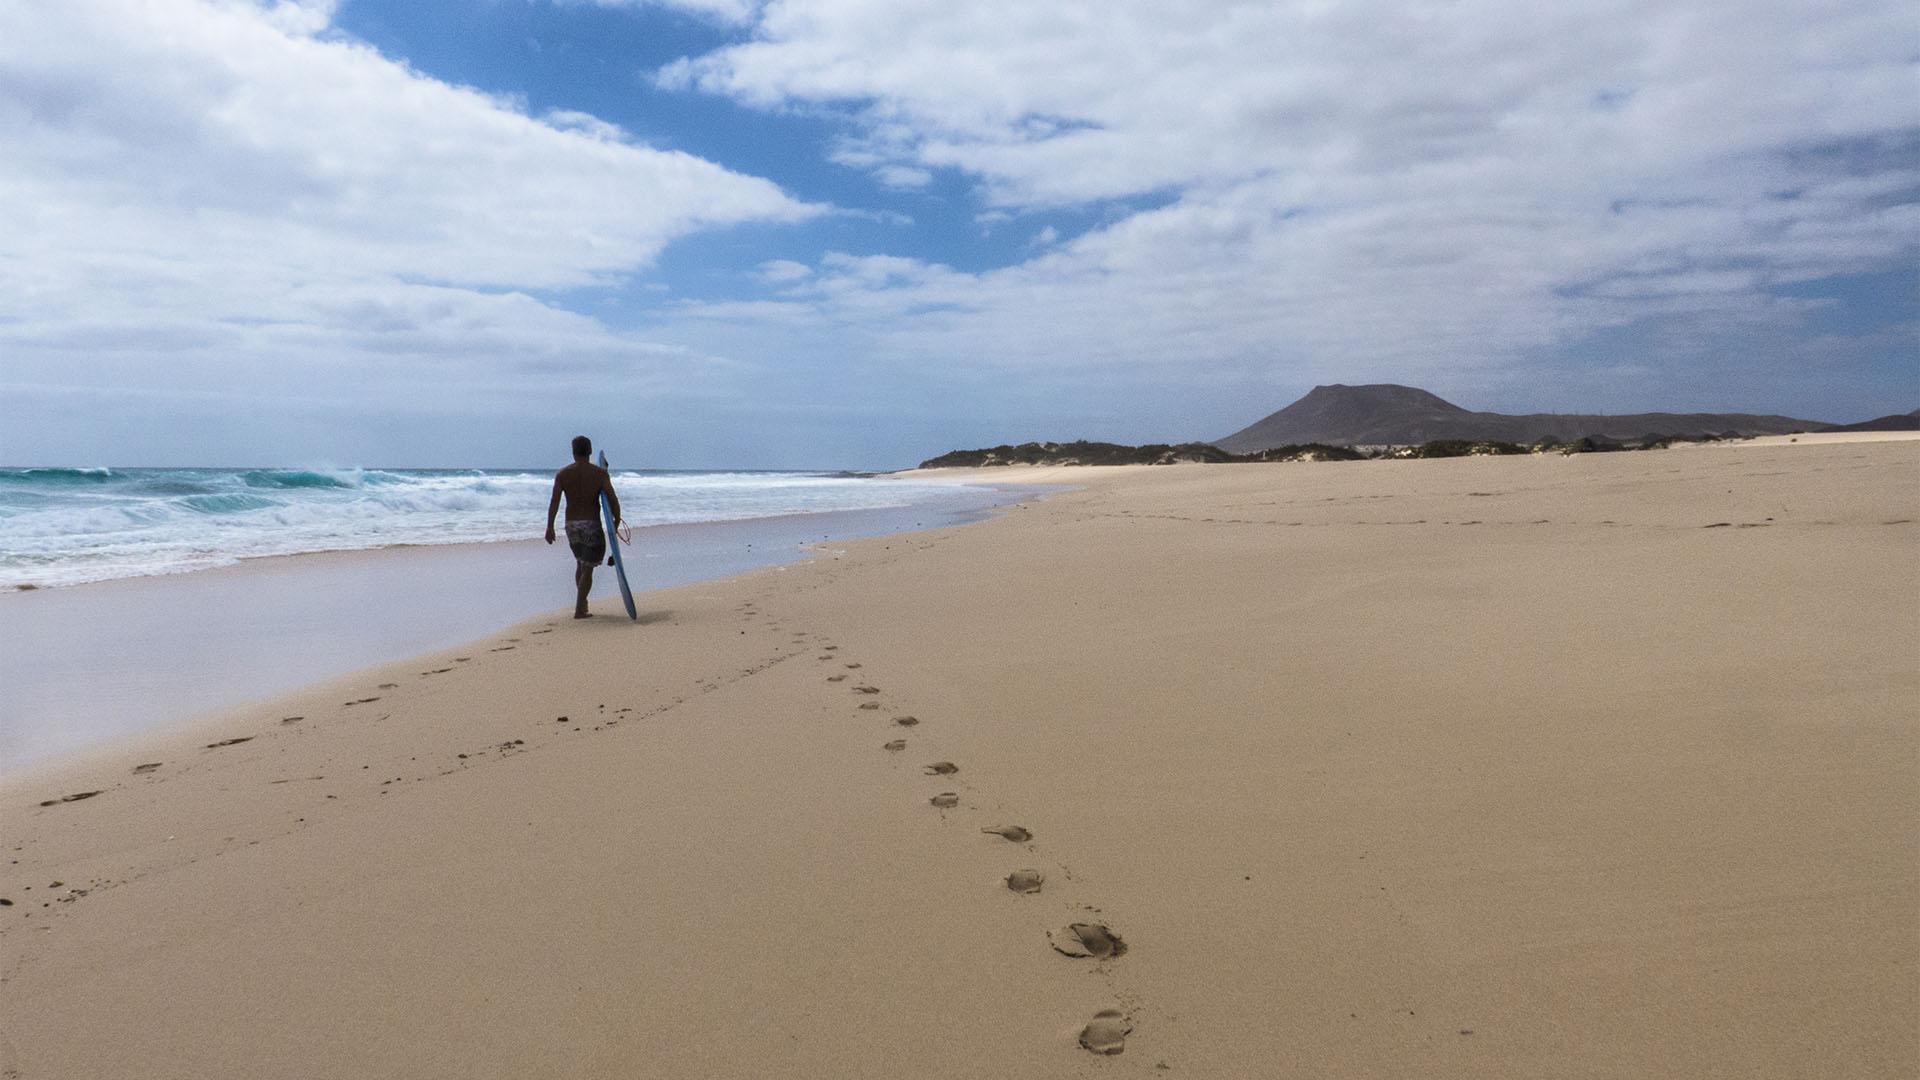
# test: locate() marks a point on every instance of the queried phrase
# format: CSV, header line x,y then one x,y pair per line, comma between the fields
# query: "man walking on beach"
x,y
582,483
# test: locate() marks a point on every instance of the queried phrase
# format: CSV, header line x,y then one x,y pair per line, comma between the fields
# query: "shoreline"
x,y
109,658
1456,768
409,512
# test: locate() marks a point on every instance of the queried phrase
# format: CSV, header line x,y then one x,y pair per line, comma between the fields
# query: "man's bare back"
x,y
581,483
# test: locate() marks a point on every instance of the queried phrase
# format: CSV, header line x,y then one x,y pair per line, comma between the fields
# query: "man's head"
x,y
582,447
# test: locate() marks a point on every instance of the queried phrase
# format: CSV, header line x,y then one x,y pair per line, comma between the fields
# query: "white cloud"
x,y
586,124
295,16
1411,188
784,271
162,127
1068,101
227,182
903,176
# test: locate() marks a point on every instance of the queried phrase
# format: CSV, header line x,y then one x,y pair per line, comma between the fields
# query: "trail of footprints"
x,y
605,718
1088,939
1106,1032
797,647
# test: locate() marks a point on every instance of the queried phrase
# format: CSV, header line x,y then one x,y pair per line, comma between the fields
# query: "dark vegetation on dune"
x,y
1099,453
1441,448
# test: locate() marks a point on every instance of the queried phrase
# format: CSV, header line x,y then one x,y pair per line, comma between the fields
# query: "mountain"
x,y
1897,422
1384,414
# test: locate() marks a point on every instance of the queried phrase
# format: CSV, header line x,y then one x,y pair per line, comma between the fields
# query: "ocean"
x,y
61,527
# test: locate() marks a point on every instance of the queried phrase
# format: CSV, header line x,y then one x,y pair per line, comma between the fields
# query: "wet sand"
x,y
1597,766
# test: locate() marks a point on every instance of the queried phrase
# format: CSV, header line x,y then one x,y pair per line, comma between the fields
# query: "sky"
x,y
861,233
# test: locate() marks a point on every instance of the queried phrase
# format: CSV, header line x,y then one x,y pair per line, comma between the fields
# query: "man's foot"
x,y
583,614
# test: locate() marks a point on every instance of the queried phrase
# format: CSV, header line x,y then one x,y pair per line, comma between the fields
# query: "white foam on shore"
x,y
62,527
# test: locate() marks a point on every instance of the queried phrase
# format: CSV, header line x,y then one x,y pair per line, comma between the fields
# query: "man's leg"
x,y
583,581
589,547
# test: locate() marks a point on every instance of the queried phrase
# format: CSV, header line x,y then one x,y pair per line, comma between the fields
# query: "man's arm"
x,y
613,501
553,507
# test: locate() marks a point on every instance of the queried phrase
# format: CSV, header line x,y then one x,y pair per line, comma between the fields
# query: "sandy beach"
x,y
1595,766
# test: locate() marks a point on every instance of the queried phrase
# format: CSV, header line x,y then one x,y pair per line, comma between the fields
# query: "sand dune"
x,y
1597,766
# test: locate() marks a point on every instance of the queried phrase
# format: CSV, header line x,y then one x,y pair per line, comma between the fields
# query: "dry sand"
x,y
1523,767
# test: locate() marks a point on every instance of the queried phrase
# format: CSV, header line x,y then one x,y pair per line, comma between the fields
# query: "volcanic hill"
x,y
1385,414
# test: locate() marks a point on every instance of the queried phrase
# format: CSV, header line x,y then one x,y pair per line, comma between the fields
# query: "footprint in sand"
x,y
897,744
229,742
866,689
906,721
870,705
1107,1032
836,678
1010,832
1087,939
944,800
850,667
1026,881
941,768
70,798
147,768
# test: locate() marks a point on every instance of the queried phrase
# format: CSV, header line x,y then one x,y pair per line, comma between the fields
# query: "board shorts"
x,y
589,544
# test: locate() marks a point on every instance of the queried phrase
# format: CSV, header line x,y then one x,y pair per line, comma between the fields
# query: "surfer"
x,y
582,483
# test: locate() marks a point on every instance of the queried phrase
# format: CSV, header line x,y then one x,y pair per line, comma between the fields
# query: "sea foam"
x,y
70,526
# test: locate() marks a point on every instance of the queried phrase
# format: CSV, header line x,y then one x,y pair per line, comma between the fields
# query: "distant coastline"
x,y
1351,423
1097,453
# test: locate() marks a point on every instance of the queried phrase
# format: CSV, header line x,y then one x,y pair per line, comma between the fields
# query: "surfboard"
x,y
613,545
